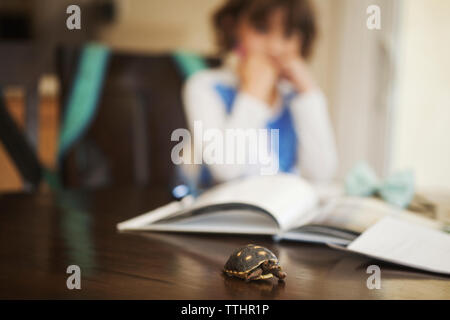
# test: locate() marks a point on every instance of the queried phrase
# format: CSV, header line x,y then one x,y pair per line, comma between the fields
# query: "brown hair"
x,y
299,17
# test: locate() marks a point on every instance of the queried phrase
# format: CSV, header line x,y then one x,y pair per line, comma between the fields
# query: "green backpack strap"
x,y
82,104
83,99
188,63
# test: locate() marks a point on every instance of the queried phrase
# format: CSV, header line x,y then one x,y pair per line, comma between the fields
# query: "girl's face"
x,y
270,40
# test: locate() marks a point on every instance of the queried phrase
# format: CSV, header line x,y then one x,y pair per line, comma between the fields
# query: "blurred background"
x,y
388,90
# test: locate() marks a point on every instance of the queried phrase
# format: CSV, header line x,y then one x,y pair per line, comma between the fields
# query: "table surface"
x,y
42,234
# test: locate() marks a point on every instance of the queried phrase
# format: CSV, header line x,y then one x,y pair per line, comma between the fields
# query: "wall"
x,y
162,25
422,120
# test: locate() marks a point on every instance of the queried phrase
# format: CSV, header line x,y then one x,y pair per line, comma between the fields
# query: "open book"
x,y
289,208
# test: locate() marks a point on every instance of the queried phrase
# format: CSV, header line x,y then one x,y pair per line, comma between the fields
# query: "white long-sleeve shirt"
x,y
316,159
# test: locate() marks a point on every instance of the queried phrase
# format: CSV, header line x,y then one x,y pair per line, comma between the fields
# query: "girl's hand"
x,y
295,70
259,76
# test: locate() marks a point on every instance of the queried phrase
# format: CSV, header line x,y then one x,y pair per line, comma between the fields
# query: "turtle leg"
x,y
258,275
265,276
254,275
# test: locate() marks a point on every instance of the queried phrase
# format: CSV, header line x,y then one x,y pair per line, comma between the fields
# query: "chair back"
x,y
128,142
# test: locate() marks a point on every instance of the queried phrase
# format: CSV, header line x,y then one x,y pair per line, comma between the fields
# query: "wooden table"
x,y
42,234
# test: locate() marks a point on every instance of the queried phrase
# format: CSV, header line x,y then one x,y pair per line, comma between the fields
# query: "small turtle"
x,y
253,263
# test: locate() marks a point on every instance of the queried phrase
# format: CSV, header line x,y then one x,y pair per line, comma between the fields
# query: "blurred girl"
x,y
265,83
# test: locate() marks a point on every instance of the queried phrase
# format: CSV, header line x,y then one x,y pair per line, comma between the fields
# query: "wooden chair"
x,y
21,64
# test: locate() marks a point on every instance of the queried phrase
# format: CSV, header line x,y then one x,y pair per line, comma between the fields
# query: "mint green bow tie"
x,y
398,189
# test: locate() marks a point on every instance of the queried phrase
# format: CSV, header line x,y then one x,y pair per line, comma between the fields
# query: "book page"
x,y
285,196
358,214
148,218
406,243
238,221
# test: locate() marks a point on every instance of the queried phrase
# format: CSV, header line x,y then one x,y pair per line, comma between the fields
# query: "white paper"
x,y
151,217
289,199
286,196
406,243
358,214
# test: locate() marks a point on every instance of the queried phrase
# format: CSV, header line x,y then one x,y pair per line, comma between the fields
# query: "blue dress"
x,y
287,148
288,143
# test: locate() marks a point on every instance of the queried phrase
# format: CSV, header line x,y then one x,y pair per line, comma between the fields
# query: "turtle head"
x,y
271,266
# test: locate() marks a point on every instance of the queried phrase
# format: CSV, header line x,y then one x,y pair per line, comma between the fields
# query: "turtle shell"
x,y
245,259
